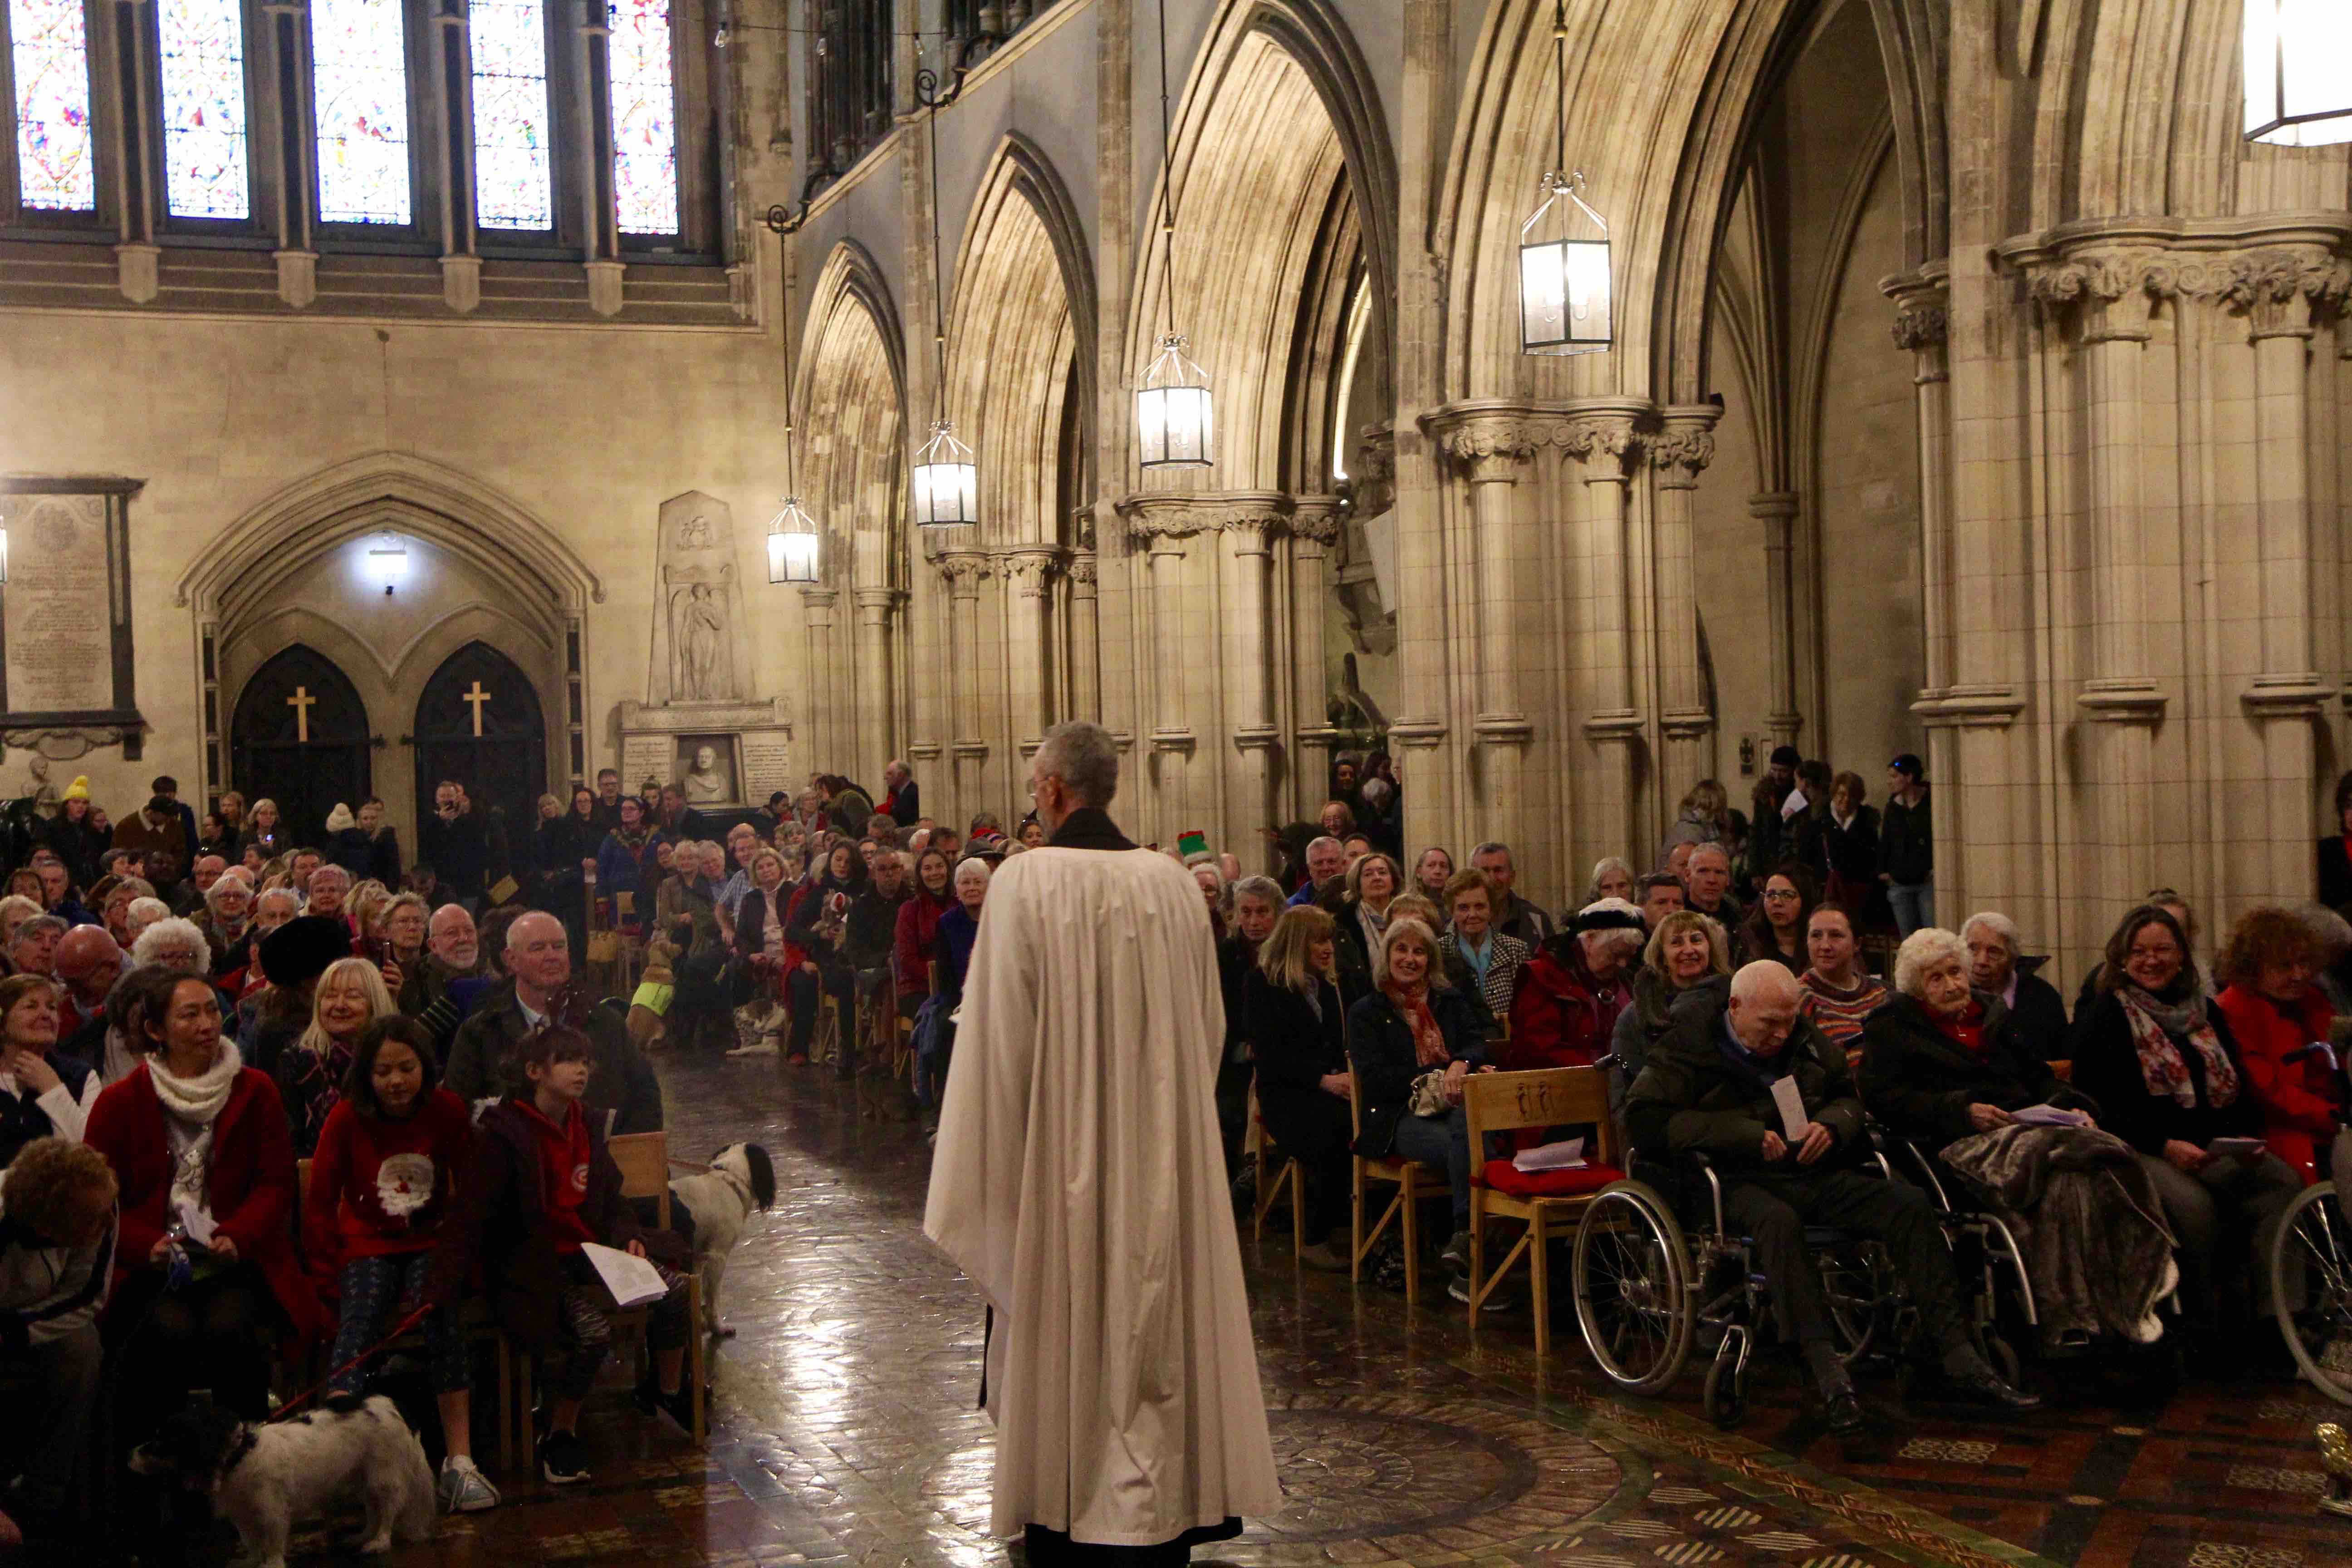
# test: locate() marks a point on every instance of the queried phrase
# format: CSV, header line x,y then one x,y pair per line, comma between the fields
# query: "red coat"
x,y
1562,1016
2299,1087
252,1182
918,934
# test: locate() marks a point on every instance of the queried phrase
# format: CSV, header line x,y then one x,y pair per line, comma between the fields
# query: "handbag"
x,y
1428,1097
604,946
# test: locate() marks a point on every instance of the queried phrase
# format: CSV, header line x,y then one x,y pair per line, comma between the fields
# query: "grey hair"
x,y
1710,848
1084,758
1994,921
1921,950
329,869
2329,930
1375,792
1323,841
169,932
970,863
288,894
39,925
1494,847
1601,868
221,884
1264,887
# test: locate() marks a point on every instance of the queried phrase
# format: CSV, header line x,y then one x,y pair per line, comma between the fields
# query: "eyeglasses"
x,y
1779,895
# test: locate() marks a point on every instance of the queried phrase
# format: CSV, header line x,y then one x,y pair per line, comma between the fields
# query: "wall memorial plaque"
x,y
647,757
767,765
64,616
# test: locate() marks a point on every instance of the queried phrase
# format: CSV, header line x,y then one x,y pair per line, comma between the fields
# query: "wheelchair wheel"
x,y
1724,1397
1633,1291
2311,1289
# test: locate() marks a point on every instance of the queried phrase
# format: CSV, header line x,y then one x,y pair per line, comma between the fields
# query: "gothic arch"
x,y
851,395
1262,214
1021,344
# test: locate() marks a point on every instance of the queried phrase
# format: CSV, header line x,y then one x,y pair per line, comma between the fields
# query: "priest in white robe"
x,y
1079,1181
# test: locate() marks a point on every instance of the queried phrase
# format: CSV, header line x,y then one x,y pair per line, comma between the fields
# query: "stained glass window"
x,y
359,64
49,48
202,49
512,188
645,118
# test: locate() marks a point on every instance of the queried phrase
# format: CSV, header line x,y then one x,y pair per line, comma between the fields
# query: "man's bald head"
x,y
1763,1011
451,938
89,960
538,957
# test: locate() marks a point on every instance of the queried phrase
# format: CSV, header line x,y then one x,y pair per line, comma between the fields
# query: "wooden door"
x,y
480,722
299,736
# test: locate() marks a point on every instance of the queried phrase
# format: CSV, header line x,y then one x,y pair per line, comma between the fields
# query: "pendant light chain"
x,y
1167,183
1174,423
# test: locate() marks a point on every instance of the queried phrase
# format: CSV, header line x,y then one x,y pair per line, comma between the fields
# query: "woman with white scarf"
x,y
206,1280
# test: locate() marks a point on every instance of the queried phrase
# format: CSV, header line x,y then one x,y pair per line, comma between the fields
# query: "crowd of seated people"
x,y
193,1005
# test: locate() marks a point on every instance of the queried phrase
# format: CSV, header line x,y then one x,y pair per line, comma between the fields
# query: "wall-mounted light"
x,y
387,559
2298,73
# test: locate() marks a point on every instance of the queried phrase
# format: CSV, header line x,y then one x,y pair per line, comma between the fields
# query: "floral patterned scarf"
x,y
2160,1029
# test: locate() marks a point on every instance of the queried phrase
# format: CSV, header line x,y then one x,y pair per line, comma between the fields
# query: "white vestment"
x,y
1079,1181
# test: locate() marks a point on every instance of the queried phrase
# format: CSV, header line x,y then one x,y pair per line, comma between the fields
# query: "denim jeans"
x,y
1441,1140
1913,904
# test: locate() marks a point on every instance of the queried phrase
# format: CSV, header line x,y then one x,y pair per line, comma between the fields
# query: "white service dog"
x,y
721,1199
264,1479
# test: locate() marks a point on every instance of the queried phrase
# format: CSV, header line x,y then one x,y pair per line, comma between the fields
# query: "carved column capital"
x,y
1683,450
1031,572
963,569
877,600
1922,323
1609,445
1314,521
1490,447
1082,572
2107,289
2289,291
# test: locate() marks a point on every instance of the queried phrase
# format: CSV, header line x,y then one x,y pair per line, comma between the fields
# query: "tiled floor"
x,y
846,1433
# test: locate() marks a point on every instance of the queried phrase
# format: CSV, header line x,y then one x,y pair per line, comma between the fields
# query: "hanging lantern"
x,y
1564,273
387,556
946,483
1172,415
791,545
2298,73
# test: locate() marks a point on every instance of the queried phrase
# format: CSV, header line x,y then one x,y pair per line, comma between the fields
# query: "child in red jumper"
x,y
544,1186
391,1166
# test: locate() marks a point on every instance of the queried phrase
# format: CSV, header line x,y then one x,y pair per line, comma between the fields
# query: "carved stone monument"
x,y
64,616
704,729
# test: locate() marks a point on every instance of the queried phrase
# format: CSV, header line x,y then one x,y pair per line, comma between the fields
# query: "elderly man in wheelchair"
x,y
1767,1102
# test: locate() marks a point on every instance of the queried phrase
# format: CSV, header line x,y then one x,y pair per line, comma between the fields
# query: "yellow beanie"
x,y
78,790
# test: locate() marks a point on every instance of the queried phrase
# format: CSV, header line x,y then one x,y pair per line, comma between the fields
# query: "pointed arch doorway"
x,y
299,736
479,722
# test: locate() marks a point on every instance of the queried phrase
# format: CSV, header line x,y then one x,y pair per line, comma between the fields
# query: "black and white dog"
x,y
721,1199
264,1479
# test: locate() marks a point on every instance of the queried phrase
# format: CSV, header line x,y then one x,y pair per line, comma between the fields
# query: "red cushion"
x,y
1505,1177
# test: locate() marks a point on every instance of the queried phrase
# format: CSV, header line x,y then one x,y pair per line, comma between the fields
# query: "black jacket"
x,y
22,1120
456,850
872,930
1851,851
1381,1052
1920,1083
1907,841
2107,1067
2039,1013
1236,961
2334,873
1692,1096
1295,1047
620,1079
906,803
1088,828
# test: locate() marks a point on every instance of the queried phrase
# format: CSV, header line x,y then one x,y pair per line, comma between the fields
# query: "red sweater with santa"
x,y
380,1184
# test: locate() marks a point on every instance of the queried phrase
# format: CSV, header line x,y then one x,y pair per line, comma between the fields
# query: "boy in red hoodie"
x,y
391,1167
544,1186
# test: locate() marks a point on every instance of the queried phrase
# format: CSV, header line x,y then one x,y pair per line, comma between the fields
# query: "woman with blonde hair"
x,y
263,830
1687,951
1371,884
1703,817
1290,1005
1416,1028
350,995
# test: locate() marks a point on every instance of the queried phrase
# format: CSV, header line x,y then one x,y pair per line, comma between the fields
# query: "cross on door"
x,y
300,702
475,698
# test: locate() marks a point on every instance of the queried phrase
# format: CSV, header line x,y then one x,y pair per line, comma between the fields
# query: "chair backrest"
x,y
644,1160
1546,1097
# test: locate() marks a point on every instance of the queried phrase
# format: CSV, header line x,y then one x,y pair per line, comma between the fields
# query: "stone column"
x,y
599,218
287,133
1086,640
1246,652
138,195
1314,528
1488,452
1030,630
1606,445
877,731
453,47
963,570
816,620
1162,526
1686,723
1777,511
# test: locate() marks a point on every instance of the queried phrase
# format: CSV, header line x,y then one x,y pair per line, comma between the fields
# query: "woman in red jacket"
x,y
206,1282
919,928
2281,1021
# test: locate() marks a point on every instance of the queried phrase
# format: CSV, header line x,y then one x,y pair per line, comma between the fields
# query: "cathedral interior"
x,y
1565,401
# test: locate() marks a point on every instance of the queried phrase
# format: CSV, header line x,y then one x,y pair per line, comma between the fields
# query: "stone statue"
x,y
708,782
40,791
701,642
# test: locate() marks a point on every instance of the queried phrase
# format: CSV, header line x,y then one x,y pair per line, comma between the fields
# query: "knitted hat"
x,y
301,949
339,818
78,790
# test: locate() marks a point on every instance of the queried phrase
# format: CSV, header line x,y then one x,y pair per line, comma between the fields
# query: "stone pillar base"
x,y
605,287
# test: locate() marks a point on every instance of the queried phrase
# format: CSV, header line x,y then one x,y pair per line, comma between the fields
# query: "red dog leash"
x,y
382,1345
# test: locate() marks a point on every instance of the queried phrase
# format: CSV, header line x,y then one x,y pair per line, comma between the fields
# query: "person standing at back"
x,y
1080,1106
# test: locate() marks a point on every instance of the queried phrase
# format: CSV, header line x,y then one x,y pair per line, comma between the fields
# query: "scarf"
x,y
562,1172
1966,1031
1428,1040
2160,1029
195,1101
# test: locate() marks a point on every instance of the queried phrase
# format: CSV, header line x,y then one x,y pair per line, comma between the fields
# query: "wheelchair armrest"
x,y
1914,1158
1697,1159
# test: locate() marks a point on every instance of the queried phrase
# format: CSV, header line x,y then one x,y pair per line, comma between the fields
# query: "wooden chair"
x,y
644,1162
1292,1175
1408,1176
1504,1102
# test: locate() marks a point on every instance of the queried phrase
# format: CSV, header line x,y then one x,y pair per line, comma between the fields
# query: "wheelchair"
x,y
1658,1274
2311,1283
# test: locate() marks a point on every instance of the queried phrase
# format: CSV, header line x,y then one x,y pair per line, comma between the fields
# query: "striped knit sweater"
x,y
1839,1014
